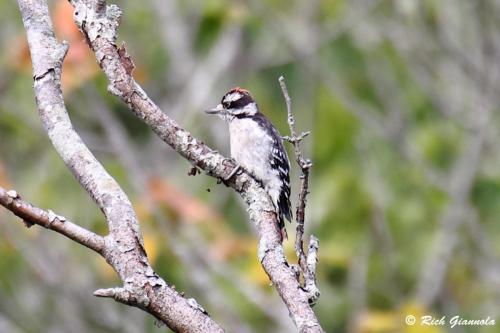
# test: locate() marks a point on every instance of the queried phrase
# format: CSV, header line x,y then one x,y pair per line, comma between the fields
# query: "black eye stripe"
x,y
244,100
240,103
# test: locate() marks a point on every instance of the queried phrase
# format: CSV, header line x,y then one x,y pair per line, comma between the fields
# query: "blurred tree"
x,y
401,98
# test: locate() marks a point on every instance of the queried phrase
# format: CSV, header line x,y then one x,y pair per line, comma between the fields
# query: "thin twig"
x,y
307,263
48,219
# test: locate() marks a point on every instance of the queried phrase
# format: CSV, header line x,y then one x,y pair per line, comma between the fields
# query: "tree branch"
x,y
48,219
99,24
307,263
123,246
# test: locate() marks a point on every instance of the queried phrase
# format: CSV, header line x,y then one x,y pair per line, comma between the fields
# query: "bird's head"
x,y
236,103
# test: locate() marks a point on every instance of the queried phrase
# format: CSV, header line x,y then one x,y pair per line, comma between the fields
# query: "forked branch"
x,y
123,246
99,24
307,263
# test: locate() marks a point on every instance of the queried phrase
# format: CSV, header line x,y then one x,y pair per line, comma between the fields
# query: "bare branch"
x,y
198,263
307,263
123,247
48,219
312,261
99,25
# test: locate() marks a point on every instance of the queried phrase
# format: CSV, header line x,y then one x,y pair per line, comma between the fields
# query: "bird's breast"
x,y
250,146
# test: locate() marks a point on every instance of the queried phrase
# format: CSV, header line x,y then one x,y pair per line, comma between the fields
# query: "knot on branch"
x,y
192,303
12,194
52,217
296,138
116,293
126,295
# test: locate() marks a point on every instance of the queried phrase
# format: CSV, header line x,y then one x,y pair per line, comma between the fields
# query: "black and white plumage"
x,y
257,146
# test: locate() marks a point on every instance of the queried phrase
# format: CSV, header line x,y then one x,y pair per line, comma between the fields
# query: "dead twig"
x,y
31,215
307,263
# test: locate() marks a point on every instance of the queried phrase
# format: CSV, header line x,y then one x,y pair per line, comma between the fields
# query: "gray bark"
x,y
99,23
123,246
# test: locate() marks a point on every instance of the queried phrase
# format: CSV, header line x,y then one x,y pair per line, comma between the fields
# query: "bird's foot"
x,y
233,172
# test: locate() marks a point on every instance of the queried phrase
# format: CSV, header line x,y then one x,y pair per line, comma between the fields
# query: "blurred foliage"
x,y
394,93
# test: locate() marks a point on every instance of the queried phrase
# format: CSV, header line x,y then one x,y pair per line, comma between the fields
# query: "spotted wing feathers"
x,y
279,161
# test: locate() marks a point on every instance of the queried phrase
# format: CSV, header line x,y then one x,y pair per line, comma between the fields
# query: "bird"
x,y
257,146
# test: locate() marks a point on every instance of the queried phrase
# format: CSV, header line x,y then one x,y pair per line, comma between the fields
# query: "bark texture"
x,y
123,246
99,23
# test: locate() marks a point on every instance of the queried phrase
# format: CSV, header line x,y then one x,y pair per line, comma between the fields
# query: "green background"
x,y
401,98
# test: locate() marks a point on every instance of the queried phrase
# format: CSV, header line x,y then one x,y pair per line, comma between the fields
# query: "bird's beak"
x,y
218,109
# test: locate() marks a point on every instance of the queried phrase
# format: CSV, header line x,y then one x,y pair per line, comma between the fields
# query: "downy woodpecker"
x,y
257,146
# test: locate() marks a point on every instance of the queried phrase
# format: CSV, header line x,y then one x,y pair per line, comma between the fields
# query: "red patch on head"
x,y
243,97
240,90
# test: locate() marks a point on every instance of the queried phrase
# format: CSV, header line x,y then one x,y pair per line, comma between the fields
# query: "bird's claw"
x,y
234,172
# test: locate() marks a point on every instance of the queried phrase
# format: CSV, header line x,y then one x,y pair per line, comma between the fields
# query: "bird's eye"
x,y
226,104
